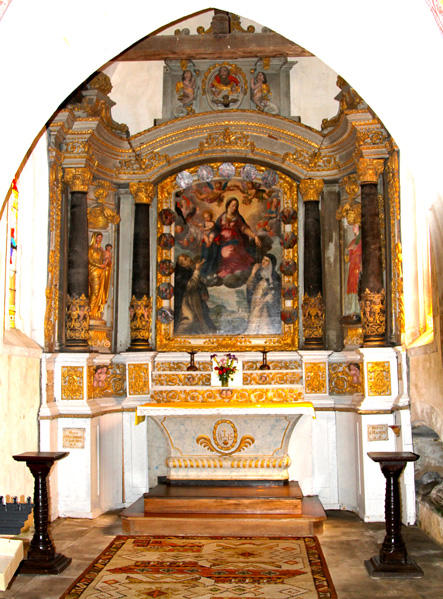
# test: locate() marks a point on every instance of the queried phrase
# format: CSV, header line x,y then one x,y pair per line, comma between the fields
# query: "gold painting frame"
x,y
288,339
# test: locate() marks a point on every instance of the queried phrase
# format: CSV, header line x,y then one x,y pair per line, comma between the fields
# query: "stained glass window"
x,y
12,262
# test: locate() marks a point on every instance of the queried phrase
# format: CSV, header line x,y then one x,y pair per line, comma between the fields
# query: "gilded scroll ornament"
x,y
353,336
143,192
272,378
345,379
138,379
101,216
313,310
370,136
224,439
106,381
185,379
237,26
72,382
311,189
99,338
140,316
273,364
398,287
315,378
180,366
144,163
373,313
52,291
78,179
226,139
230,395
102,83
351,210
77,318
379,378
349,100
369,170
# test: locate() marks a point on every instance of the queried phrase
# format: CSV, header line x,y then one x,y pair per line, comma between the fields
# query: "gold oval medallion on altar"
x,y
225,435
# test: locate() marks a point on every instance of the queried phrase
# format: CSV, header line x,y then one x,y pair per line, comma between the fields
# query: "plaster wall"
x,y
19,404
137,90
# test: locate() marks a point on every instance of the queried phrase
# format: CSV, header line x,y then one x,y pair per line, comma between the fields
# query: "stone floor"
x,y
346,543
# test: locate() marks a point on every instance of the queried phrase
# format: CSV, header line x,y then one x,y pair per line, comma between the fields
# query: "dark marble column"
x,y
140,307
313,306
372,300
77,300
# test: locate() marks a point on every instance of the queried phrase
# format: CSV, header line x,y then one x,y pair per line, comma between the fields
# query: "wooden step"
x,y
243,518
185,499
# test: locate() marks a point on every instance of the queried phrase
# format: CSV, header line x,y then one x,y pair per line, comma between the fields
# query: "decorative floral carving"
x,y
315,378
72,382
77,318
140,315
379,378
138,379
373,313
313,310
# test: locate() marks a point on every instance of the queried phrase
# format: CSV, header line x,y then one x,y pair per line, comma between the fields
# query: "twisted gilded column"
x,y
77,301
140,307
373,299
313,306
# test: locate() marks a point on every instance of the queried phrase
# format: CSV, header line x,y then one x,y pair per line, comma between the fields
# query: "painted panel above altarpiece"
x,y
227,260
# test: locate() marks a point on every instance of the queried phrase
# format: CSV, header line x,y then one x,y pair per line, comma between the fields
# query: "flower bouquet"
x,y
226,367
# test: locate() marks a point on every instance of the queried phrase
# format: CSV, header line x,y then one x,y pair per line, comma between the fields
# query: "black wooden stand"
x,y
393,561
41,558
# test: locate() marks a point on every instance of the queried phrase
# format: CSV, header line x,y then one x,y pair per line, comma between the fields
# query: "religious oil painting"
x,y
228,250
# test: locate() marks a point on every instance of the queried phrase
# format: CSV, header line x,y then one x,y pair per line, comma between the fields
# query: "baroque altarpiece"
x,y
229,226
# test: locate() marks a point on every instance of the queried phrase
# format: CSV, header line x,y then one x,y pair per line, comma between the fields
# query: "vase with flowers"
x,y
225,368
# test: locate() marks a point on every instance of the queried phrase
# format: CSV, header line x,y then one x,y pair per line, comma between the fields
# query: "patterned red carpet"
x,y
136,567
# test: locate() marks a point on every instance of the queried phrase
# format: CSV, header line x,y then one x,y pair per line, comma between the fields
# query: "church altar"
x,y
262,429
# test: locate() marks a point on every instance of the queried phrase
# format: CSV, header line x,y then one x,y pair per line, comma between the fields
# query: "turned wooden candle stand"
x,y
393,560
42,558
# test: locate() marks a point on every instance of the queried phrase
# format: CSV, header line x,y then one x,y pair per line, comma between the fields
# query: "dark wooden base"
x,y
225,511
55,565
378,569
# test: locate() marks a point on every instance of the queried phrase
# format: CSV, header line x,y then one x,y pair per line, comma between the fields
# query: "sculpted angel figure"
x,y
186,88
99,271
260,90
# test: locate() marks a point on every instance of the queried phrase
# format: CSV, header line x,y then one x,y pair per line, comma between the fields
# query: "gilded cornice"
x,y
295,149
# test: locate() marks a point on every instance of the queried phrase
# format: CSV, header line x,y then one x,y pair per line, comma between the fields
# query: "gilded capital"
x,y
78,179
368,170
311,189
142,192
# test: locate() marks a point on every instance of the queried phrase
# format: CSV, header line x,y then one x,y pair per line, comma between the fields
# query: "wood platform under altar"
x,y
246,510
